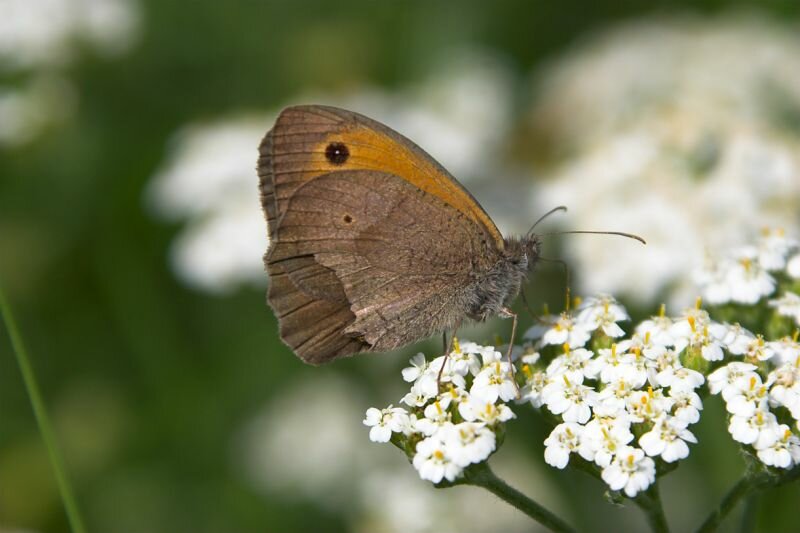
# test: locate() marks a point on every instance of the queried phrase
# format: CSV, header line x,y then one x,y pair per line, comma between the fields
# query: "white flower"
x,y
487,412
420,394
756,429
793,266
785,388
667,362
563,440
465,360
46,33
208,180
602,312
534,385
658,327
649,404
697,330
612,364
680,379
564,329
642,343
787,351
611,401
687,405
384,422
570,400
432,378
434,462
788,305
436,416
737,339
774,248
784,451
747,396
688,138
418,367
747,280
668,439
756,350
494,381
575,364
602,437
469,442
713,280
632,369
630,471
723,379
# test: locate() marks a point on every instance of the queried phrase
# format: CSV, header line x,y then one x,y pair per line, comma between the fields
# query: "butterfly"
x,y
373,244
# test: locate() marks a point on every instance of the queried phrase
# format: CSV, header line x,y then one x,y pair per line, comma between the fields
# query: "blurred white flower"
x,y
788,304
793,267
272,458
37,33
602,312
209,179
677,130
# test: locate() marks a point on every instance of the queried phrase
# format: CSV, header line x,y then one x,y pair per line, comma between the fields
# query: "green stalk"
x,y
650,503
480,475
42,418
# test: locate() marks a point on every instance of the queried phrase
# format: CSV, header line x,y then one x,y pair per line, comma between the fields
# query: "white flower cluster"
x,y
447,431
623,404
643,390
688,149
748,274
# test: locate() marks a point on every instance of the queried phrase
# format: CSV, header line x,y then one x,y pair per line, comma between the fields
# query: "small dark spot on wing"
x,y
337,153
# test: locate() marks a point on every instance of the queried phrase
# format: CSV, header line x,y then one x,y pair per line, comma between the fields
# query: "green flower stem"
x,y
42,419
480,475
650,502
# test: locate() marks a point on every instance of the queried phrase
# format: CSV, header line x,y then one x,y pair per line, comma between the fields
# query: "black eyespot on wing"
x,y
337,153
347,219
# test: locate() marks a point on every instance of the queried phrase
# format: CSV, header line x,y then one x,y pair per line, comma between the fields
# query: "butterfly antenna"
x,y
619,233
554,210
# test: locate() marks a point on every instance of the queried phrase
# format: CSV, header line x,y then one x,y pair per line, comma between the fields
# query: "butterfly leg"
x,y
448,347
508,313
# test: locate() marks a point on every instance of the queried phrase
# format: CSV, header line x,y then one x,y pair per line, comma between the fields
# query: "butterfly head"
x,y
522,252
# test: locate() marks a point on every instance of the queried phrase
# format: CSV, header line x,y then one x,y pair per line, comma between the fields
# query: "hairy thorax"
x,y
497,288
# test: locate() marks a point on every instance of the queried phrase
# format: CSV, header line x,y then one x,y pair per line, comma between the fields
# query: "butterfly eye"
x,y
337,153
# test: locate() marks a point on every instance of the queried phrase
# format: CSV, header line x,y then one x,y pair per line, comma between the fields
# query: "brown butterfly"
x,y
373,244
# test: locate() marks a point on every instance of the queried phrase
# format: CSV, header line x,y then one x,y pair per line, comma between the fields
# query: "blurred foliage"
x,y
149,381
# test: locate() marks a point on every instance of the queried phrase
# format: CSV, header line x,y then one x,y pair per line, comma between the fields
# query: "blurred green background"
x,y
169,400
